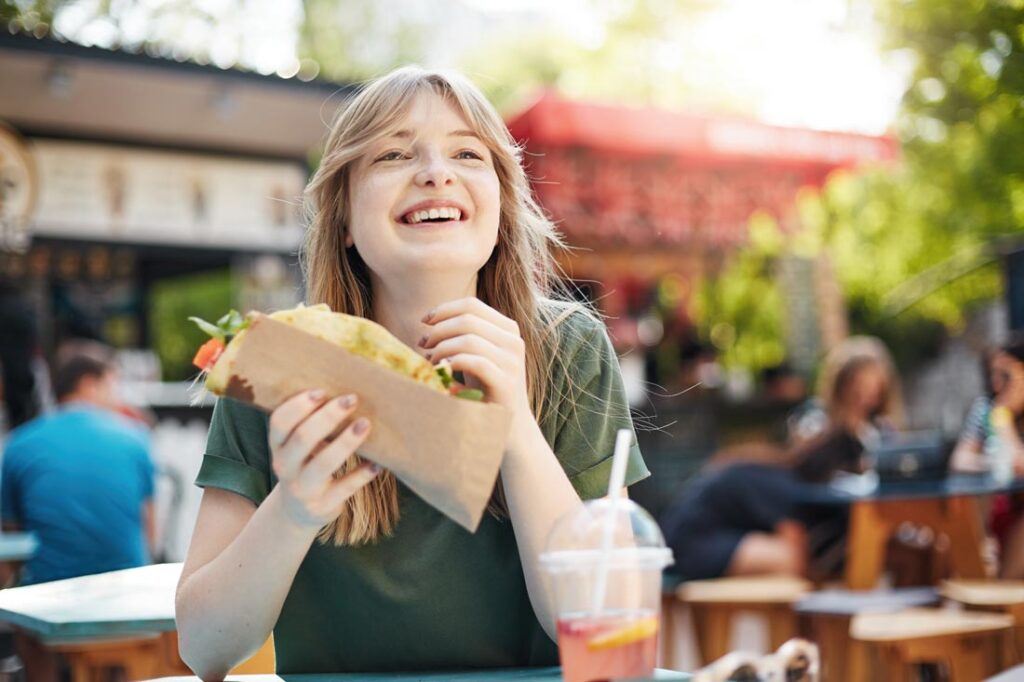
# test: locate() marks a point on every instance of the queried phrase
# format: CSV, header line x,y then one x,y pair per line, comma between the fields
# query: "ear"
x,y
349,243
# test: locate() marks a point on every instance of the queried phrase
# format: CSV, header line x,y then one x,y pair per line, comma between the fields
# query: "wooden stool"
x,y
89,661
967,642
825,619
998,596
713,603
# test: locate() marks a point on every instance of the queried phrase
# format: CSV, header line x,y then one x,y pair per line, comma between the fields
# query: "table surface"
x,y
17,546
115,604
497,675
955,485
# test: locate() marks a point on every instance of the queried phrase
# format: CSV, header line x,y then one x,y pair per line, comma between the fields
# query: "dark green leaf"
x,y
446,376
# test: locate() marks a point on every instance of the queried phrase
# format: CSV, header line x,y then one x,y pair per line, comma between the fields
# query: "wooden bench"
x,y
713,603
825,618
967,643
998,596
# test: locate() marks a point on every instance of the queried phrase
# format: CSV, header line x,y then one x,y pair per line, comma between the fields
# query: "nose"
x,y
435,172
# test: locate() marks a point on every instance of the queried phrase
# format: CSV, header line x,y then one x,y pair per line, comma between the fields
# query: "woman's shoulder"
x,y
574,328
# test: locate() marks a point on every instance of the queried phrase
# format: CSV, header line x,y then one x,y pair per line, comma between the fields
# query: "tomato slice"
x,y
207,354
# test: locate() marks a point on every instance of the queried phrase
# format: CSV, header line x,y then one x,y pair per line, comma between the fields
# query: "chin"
x,y
445,258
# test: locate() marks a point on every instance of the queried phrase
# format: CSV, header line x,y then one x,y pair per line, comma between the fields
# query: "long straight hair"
x,y
519,280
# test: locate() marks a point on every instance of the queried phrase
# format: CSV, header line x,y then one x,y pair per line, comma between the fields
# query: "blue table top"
x,y
955,485
115,604
494,675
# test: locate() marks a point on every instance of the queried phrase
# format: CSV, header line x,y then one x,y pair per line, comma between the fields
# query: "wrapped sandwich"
x,y
357,335
437,436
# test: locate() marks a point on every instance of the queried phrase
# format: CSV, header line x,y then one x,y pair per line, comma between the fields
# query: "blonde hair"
x,y
844,362
519,280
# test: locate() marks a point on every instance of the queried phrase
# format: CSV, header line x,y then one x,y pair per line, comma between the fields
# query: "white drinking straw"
x,y
618,479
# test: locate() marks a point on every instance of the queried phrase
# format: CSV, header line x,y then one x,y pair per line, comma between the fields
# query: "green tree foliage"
x,y
914,244
353,41
740,310
207,295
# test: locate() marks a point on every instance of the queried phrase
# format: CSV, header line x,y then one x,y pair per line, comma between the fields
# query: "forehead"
x,y
429,110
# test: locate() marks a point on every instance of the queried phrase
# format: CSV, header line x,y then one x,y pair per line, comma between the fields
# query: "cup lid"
x,y
616,531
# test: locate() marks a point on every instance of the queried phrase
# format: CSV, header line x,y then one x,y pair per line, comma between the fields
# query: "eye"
x,y
393,155
469,154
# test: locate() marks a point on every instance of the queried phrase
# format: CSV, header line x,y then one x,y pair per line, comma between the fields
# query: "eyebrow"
x,y
408,134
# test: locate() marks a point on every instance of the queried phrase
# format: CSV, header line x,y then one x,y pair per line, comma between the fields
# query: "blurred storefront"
x,y
137,190
654,200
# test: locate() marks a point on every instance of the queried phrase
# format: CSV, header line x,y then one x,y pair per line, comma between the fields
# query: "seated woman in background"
x,y
744,518
994,421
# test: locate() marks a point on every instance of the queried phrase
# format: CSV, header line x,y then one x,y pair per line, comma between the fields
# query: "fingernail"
x,y
347,401
375,468
428,355
422,342
426,318
361,425
316,394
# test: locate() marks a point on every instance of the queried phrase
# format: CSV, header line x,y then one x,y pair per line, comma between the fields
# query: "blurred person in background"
x,y
18,355
991,429
80,478
743,517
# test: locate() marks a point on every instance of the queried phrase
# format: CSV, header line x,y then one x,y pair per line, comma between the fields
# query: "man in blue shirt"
x,y
80,478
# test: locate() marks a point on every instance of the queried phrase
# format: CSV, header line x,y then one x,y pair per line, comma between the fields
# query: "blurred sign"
x,y
123,194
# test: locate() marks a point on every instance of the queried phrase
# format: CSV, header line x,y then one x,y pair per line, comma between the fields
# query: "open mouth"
x,y
432,215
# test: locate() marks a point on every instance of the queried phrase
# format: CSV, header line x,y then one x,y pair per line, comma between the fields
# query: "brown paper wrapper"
x,y
447,450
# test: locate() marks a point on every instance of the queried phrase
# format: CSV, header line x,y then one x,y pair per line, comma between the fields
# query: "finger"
x,y
347,486
474,306
469,323
480,367
310,435
473,345
318,472
290,414
344,487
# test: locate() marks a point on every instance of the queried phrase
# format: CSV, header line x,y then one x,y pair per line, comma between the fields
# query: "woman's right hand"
x,y
311,438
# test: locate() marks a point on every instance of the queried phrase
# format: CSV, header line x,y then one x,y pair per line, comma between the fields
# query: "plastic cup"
x,y
607,595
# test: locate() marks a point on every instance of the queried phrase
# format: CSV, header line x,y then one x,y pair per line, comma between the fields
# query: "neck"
x,y
401,306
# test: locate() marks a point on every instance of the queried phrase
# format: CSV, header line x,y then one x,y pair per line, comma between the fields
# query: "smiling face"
x,y
426,196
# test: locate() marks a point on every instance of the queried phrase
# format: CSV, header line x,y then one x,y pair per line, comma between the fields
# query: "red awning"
x,y
554,122
649,178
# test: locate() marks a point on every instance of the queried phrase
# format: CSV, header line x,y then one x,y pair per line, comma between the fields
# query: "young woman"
x,y
743,518
421,219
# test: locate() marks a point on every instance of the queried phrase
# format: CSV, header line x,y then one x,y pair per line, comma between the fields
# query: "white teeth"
x,y
445,212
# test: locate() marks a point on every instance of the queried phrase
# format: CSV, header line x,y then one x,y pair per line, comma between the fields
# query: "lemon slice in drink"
x,y
628,634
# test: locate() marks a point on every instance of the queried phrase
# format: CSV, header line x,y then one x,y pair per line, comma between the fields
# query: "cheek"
x,y
367,203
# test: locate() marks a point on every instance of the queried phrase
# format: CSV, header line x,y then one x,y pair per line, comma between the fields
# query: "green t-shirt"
x,y
431,595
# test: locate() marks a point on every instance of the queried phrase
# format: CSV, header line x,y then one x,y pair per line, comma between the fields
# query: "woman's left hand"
x,y
481,342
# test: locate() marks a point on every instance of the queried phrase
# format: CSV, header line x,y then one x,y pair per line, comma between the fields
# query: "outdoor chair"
x,y
967,643
713,603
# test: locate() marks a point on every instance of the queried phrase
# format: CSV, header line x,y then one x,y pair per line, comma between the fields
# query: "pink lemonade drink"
x,y
609,646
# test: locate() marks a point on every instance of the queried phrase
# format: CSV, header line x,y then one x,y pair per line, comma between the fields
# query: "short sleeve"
x,y
587,407
237,456
976,420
